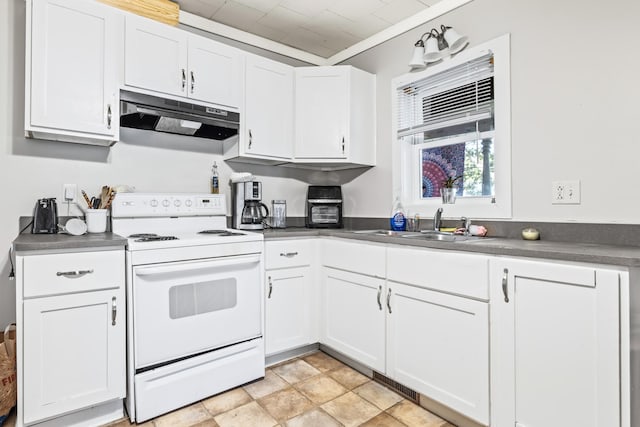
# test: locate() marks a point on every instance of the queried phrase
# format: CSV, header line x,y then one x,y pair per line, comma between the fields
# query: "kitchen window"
x,y
453,120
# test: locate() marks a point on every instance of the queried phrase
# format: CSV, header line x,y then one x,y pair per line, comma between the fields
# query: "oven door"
x,y
186,308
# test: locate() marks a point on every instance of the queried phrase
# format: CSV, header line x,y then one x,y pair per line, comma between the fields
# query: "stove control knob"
x,y
188,202
177,203
166,203
153,203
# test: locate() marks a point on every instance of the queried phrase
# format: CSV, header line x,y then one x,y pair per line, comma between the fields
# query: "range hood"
x,y
147,112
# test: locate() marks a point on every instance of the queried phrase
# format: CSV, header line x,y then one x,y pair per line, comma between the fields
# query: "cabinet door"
x,y
155,56
353,318
322,112
268,109
215,72
74,352
555,345
73,67
287,309
438,344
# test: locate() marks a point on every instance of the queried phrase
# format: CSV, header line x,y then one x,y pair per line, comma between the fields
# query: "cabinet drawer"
x,y
288,253
453,272
363,258
72,272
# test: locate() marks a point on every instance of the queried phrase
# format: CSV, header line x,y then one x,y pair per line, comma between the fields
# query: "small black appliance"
x,y
45,217
324,206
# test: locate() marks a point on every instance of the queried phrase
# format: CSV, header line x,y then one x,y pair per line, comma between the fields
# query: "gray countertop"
x,y
60,241
626,256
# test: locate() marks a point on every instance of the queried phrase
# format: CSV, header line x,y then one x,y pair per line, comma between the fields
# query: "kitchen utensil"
x,y
104,196
86,199
110,200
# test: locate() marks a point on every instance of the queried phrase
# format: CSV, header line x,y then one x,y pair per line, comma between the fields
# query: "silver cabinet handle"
x,y
270,288
379,295
288,254
114,311
250,139
193,81
109,116
74,274
343,145
184,78
505,282
389,300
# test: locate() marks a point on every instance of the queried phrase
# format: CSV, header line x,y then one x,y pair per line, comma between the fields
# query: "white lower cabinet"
x,y
290,295
555,345
438,327
353,316
73,353
288,324
71,321
438,345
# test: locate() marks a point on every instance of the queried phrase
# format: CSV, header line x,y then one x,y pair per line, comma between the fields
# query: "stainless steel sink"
x,y
422,235
442,236
389,233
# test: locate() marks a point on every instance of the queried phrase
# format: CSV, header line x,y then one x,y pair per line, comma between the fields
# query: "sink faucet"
x,y
437,219
466,222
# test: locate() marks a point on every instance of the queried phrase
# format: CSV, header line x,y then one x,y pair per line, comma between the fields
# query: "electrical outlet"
x,y
69,192
565,192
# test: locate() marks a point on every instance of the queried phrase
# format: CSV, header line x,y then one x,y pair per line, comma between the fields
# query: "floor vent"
x,y
404,391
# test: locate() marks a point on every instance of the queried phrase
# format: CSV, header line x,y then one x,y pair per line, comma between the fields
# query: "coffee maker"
x,y
247,210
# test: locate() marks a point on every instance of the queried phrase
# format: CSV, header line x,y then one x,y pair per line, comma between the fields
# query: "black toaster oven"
x,y
324,206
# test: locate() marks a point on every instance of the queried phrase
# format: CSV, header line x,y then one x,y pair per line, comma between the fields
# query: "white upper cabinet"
x,y
155,56
322,102
72,62
335,115
169,60
268,125
215,72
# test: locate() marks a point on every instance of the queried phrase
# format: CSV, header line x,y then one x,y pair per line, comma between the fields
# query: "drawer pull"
x,y
379,295
114,311
74,274
288,254
505,282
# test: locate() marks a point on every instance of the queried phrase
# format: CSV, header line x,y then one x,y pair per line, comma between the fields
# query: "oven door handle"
x,y
216,263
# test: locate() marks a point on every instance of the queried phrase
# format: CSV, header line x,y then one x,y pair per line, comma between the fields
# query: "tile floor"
x,y
311,391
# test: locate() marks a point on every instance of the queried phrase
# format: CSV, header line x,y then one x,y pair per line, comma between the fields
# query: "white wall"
x,y
575,69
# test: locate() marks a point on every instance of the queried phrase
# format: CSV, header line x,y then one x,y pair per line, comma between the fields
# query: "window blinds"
x,y
459,95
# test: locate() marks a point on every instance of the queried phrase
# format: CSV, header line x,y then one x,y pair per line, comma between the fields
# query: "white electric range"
x,y
194,293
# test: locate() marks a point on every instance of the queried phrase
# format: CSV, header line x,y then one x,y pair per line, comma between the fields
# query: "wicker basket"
x,y
8,383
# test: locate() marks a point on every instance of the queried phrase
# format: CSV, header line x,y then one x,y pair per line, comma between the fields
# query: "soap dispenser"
x,y
398,220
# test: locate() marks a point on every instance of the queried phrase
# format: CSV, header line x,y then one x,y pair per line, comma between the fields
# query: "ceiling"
x,y
320,27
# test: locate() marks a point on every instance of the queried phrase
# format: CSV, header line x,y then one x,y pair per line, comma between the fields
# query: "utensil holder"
x,y
96,220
